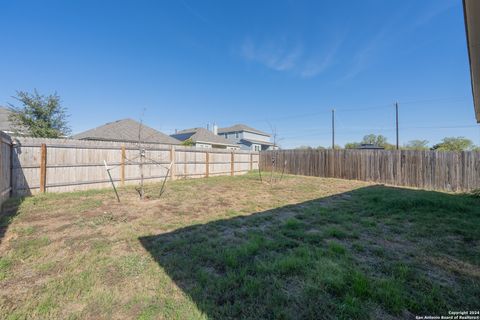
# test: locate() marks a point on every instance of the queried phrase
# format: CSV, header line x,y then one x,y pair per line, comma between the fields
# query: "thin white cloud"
x,y
274,56
317,65
361,59
282,56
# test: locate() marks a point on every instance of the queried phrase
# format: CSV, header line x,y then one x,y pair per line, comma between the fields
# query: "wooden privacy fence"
x,y
58,165
5,166
432,170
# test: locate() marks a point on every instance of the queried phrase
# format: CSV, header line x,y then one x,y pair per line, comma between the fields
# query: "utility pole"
x,y
396,121
333,129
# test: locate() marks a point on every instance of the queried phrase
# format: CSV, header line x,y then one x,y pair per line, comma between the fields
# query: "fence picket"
x,y
432,170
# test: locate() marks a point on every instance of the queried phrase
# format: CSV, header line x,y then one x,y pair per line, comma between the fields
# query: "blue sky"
x,y
269,64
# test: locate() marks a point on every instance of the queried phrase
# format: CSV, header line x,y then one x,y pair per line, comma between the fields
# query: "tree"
x,y
337,147
188,142
40,116
303,147
352,145
454,144
379,140
417,145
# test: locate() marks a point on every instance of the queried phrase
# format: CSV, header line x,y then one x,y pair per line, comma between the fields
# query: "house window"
x,y
256,147
226,136
236,135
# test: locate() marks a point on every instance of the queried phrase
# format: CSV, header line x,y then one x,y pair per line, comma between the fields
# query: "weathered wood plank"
x,y
432,170
78,165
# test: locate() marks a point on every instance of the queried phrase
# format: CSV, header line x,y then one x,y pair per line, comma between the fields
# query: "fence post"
x,y
122,169
251,161
172,161
207,164
232,164
43,167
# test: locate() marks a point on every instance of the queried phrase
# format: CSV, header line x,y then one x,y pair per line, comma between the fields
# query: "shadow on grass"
x,y
8,210
327,258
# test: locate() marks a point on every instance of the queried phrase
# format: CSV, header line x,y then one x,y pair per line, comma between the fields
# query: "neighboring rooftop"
x,y
126,130
203,135
370,146
241,127
266,143
6,125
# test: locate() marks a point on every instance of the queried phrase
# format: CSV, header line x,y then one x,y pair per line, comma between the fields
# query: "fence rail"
x,y
431,170
59,165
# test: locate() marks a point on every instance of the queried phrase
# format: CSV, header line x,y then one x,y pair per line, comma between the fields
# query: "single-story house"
x,y
126,130
369,146
247,137
471,9
203,138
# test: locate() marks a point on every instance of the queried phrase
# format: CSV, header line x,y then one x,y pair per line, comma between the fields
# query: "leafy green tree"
x,y
379,140
337,147
303,147
188,142
352,145
417,145
454,144
39,116
389,146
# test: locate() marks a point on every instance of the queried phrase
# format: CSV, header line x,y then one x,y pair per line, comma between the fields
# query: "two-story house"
x,y
247,137
204,138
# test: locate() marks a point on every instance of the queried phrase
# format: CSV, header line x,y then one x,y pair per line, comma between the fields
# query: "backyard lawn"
x,y
234,247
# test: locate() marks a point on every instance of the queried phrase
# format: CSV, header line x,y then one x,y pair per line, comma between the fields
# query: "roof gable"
x,y
241,127
6,124
126,130
202,135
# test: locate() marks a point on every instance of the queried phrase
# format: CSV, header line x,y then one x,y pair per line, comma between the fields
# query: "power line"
x,y
434,100
350,109
345,132
443,127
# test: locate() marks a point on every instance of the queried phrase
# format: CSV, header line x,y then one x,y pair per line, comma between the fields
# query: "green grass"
x,y
304,248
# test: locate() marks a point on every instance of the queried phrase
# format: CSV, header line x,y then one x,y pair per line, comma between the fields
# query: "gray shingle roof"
x,y
7,126
266,143
241,127
203,135
5,123
125,130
